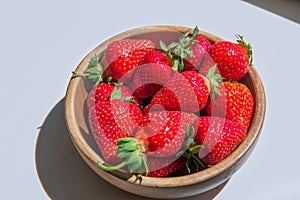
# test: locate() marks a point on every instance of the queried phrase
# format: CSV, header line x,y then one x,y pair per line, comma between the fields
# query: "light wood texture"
x,y
164,188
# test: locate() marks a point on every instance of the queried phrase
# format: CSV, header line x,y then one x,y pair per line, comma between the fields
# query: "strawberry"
x,y
125,55
233,59
159,135
188,92
235,102
154,71
200,50
110,121
100,92
219,136
105,91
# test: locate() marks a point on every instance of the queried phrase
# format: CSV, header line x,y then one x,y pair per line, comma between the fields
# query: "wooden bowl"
x,y
167,187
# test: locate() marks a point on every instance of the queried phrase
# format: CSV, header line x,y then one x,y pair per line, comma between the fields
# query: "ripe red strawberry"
x,y
100,92
160,134
161,167
232,59
123,47
200,50
110,121
235,102
219,136
125,55
163,132
105,91
186,92
154,71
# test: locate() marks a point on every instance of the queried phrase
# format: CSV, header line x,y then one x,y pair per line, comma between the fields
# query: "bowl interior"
x,y
77,121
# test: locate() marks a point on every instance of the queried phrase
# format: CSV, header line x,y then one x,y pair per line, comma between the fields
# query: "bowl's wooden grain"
x,y
170,187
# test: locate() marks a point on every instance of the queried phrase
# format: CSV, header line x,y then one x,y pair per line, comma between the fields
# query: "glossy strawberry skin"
x,y
186,92
235,102
100,92
153,72
162,167
123,56
123,47
111,120
103,91
206,65
219,136
232,59
162,133
200,50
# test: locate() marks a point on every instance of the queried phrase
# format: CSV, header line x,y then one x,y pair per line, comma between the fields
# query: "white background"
x,y
41,42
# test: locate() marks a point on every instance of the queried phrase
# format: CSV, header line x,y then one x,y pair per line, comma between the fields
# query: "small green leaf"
x,y
181,43
136,165
163,46
212,70
172,45
217,91
123,154
240,40
188,130
196,31
185,34
196,149
116,93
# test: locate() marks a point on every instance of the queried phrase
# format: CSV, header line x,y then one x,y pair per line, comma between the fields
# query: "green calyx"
x,y
178,51
188,150
240,40
94,71
131,151
214,80
191,156
117,94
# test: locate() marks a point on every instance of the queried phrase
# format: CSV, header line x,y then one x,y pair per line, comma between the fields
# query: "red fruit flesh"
x,y
111,120
235,102
219,136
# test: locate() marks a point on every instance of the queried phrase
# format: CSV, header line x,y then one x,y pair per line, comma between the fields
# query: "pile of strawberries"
x,y
156,110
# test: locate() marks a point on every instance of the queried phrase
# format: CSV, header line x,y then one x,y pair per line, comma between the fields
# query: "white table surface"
x,y
41,42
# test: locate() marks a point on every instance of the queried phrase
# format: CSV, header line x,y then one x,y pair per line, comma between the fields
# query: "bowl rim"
x,y
201,176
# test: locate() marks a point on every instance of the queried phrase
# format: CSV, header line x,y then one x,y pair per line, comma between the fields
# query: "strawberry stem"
x,y
131,151
111,168
94,71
